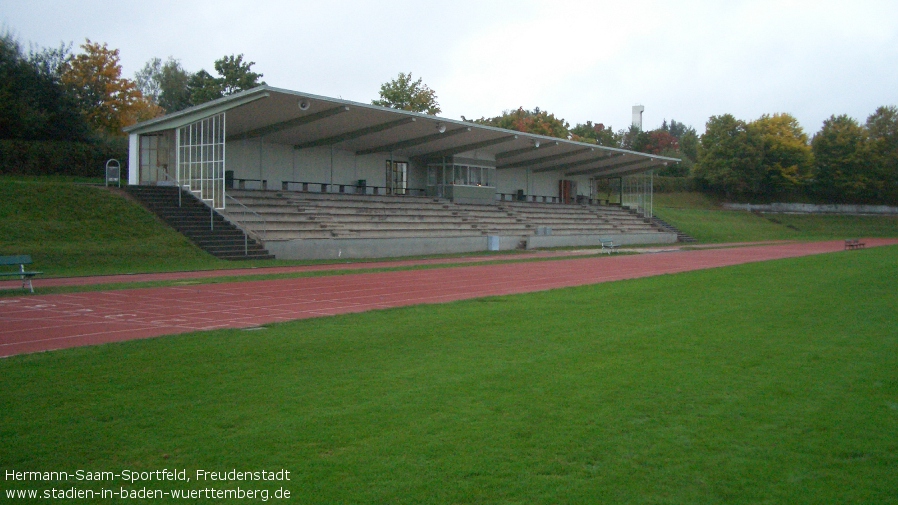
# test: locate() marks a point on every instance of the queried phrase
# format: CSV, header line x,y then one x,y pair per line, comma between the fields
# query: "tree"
x,y
403,93
107,101
165,84
882,127
234,75
596,134
147,79
203,88
730,157
656,142
33,104
841,161
536,121
787,156
689,145
676,129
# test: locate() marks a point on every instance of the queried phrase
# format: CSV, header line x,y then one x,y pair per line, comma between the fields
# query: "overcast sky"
x,y
580,60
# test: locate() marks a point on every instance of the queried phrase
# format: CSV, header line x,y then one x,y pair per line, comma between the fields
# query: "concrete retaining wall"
x,y
807,208
357,248
623,239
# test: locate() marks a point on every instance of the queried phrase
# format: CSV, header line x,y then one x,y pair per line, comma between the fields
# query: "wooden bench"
x,y
853,243
607,245
21,260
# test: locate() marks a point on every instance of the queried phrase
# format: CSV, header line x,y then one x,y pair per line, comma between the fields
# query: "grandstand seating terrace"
x,y
287,215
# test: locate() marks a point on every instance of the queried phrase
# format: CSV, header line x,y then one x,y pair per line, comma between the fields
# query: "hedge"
x,y
663,184
56,157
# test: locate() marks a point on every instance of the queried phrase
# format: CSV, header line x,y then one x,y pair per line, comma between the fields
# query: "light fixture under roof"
x,y
441,128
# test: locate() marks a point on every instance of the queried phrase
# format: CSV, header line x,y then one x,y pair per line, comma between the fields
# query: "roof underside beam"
x,y
624,169
575,164
546,159
336,139
293,123
518,152
470,147
414,142
617,161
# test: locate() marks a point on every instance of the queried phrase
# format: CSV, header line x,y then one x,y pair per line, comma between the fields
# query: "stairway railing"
x,y
260,236
235,221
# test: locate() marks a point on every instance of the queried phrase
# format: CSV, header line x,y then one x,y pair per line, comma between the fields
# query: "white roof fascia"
x,y
197,113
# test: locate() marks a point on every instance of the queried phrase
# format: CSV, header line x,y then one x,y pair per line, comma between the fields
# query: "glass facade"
x,y
201,158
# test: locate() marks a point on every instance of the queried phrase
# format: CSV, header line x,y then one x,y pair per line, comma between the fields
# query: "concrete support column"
x,y
133,159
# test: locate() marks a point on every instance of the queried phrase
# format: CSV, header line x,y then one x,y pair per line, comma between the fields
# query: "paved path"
x,y
46,322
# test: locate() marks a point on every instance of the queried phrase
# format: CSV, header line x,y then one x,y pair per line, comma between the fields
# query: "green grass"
x,y
763,383
701,217
71,229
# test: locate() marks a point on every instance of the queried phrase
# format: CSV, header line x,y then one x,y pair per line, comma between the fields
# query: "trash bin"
x,y
521,195
362,186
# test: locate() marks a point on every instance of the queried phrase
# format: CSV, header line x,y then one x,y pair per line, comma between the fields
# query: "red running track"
x,y
42,323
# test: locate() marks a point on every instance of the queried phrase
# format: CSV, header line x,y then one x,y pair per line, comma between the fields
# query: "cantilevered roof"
x,y
306,121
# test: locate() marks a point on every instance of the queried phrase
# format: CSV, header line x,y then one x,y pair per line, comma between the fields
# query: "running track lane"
x,y
42,323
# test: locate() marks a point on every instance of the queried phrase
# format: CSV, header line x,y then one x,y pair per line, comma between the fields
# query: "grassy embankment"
x,y
702,217
762,383
72,229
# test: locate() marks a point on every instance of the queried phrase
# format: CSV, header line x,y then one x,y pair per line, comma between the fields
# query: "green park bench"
x,y
25,275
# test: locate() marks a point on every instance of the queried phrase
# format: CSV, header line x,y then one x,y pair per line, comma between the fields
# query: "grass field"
x,y
774,382
701,217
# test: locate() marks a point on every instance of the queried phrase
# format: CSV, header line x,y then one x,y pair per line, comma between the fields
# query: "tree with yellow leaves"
x,y
787,153
108,101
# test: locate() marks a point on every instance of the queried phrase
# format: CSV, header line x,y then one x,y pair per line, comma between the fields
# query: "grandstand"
x,y
315,177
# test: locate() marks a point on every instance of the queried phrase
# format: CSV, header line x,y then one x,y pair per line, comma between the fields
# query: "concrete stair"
x,y
192,219
681,237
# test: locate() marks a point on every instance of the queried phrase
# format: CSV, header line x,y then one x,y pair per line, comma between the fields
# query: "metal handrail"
x,y
243,227
349,189
246,231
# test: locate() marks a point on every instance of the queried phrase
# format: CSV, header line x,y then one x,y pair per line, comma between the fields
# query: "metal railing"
x,y
349,189
579,199
243,227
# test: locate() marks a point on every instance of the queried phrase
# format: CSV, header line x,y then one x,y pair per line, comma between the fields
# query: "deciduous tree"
x,y
406,94
787,156
595,133
33,104
882,127
234,75
843,170
165,83
730,157
535,121
108,101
